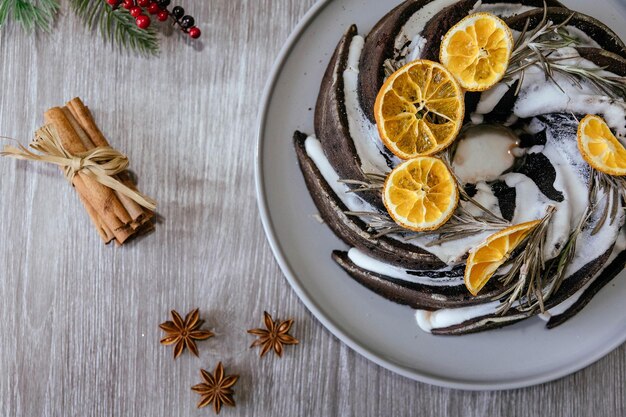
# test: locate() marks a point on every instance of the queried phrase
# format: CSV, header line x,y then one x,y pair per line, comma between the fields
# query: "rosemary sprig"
x,y
545,36
461,225
31,15
537,48
565,257
535,283
374,182
612,86
381,224
614,188
117,26
391,65
523,282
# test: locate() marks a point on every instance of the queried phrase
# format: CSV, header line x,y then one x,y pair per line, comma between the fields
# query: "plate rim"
x,y
313,306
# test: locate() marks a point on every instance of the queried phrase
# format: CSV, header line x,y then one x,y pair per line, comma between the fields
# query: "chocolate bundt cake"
x,y
516,156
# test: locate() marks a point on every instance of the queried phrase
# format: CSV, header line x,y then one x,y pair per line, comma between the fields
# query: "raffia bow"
x,y
101,163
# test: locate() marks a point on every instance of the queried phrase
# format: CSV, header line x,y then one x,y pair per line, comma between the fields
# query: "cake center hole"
x,y
484,152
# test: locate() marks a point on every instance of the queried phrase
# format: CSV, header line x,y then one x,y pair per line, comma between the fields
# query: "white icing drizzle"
x,y
416,48
489,99
368,263
531,204
486,197
446,317
314,150
502,10
364,134
417,22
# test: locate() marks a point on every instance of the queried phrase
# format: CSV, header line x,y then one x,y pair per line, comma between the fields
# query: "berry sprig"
x,y
139,9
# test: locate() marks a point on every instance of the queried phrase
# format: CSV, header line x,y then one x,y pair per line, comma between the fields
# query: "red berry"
x,y
113,2
143,3
153,8
135,11
163,15
194,32
142,21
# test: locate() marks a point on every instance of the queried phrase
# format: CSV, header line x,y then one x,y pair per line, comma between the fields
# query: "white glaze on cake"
x,y
368,263
501,9
364,134
314,150
415,25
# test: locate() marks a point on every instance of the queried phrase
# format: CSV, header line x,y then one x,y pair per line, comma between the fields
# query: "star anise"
x,y
184,332
216,388
275,336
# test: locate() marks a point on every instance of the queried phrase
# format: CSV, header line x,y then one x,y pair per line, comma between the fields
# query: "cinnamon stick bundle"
x,y
115,215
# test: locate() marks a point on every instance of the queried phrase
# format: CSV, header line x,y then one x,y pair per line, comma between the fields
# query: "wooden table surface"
x,y
79,326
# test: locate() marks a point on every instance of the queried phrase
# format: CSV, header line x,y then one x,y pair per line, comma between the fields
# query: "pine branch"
x,y
117,26
31,15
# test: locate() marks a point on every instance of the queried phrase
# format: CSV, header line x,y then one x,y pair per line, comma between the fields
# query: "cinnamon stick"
x,y
103,230
87,143
83,116
135,211
101,198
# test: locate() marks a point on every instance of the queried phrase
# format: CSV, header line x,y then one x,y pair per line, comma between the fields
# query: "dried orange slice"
x,y
419,109
599,147
485,259
420,194
477,51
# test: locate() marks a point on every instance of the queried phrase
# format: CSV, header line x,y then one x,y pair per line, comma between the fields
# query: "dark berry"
x,y
143,3
178,12
135,11
143,21
153,8
163,3
194,32
163,15
186,22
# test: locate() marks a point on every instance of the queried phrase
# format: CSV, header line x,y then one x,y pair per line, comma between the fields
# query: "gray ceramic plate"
x,y
516,356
